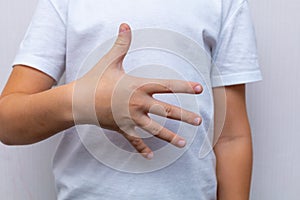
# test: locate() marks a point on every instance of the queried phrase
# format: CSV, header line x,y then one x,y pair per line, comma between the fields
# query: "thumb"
x,y
122,43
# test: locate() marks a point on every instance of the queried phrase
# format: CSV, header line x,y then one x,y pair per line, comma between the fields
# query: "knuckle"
x,y
137,142
121,42
168,110
156,130
136,102
142,87
143,148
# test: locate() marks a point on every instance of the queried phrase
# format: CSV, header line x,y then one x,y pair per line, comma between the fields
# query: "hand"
x,y
123,102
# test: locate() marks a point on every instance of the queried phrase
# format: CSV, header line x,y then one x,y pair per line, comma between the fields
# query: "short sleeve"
x,y
43,46
235,56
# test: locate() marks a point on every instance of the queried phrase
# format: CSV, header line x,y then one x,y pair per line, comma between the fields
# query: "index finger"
x,y
153,86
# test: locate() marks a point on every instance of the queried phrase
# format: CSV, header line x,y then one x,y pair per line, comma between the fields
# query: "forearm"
x,y
233,148
30,118
234,166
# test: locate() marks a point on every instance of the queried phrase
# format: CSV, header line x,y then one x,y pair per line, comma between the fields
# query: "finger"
x,y
173,112
122,44
171,86
163,133
139,145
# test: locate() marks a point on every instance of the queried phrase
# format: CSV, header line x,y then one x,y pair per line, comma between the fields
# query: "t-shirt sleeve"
x,y
235,56
43,46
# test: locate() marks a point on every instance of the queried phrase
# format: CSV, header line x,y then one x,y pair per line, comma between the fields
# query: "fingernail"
x,y
150,155
198,88
197,120
123,29
181,143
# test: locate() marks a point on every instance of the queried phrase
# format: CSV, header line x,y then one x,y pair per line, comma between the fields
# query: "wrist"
x,y
81,101
65,103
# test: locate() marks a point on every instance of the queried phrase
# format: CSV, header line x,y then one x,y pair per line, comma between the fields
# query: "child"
x,y
60,37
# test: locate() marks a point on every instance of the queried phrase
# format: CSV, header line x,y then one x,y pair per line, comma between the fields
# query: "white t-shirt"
x,y
64,32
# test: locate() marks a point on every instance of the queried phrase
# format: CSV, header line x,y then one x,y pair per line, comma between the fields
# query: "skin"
x,y
31,111
38,112
234,146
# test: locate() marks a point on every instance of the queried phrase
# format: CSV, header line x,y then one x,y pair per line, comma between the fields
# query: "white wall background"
x,y
25,172
274,103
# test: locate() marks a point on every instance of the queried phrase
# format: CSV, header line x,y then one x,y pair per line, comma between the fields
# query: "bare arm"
x,y
234,147
30,110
